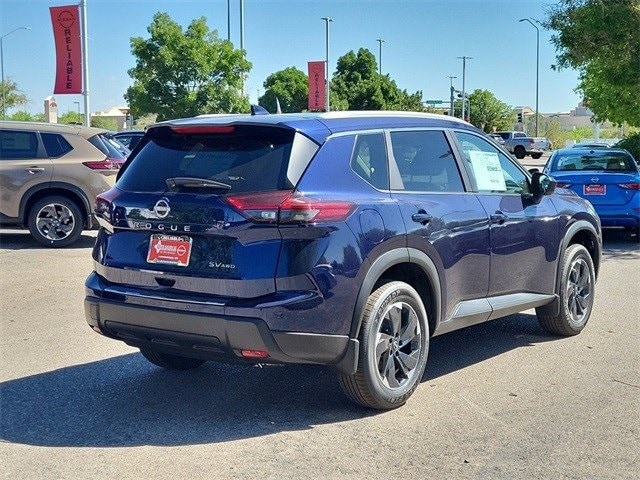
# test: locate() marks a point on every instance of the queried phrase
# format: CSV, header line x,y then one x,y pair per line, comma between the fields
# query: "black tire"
x,y
519,152
536,156
388,375
170,362
577,289
55,221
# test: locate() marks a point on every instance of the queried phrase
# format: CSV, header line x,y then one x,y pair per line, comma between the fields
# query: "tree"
x,y
486,111
182,74
290,86
357,85
71,118
23,116
13,97
105,123
600,38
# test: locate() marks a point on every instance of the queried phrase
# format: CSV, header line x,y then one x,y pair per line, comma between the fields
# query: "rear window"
x,y
247,158
102,143
614,161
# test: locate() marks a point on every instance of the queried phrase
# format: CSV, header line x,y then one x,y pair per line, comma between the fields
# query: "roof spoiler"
x,y
258,110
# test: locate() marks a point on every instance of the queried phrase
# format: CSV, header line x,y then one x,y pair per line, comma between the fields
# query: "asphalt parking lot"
x,y
501,400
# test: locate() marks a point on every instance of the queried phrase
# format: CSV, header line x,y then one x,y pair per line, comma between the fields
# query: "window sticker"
x,y
487,170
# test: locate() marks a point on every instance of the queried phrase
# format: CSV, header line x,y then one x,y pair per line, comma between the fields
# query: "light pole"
x,y
380,41
464,92
537,64
451,89
327,20
78,105
2,64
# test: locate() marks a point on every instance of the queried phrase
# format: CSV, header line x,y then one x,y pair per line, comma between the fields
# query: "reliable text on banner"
x,y
316,86
66,32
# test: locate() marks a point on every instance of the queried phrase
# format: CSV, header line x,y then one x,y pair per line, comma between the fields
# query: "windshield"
x,y
245,158
614,161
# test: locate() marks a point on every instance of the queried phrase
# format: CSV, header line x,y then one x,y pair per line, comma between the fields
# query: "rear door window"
x,y
246,158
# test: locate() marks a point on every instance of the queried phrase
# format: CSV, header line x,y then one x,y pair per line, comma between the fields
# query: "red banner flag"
x,y
66,32
317,85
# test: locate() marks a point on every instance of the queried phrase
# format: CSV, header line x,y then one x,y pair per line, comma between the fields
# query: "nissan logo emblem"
x,y
161,208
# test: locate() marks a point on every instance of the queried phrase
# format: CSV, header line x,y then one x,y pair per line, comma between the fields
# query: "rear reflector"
x,y
202,129
630,186
254,353
287,207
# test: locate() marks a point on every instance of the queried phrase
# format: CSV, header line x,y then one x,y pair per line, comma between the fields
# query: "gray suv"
x,y
50,175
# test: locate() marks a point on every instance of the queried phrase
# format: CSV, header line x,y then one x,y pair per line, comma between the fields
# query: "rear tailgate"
x,y
165,231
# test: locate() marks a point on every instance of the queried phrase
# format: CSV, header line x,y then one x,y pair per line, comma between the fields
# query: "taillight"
x,y
108,164
103,203
630,186
286,207
562,185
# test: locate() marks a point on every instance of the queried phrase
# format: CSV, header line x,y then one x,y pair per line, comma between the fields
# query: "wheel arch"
x,y
72,192
407,265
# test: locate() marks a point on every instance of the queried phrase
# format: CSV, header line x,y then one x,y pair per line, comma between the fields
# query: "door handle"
x,y
34,170
498,217
421,217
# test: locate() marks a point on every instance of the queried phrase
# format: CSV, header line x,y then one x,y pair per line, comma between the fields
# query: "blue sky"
x,y
422,40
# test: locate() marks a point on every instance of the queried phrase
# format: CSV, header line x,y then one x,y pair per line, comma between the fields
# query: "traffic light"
x,y
520,118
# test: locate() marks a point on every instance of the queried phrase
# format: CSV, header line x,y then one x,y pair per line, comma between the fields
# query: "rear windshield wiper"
x,y
191,182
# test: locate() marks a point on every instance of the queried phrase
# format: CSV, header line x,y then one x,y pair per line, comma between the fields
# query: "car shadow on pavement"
x,y
457,350
18,240
620,245
125,401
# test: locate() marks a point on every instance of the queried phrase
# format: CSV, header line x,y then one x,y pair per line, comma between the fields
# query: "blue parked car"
x,y
608,178
345,239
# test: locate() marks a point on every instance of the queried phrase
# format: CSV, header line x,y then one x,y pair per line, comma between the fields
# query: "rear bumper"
x,y
618,216
186,330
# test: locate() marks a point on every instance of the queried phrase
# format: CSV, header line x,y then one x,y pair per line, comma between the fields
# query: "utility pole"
x,y
380,41
464,92
537,64
229,20
451,90
327,20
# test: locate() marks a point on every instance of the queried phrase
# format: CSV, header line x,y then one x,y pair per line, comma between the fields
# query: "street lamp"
x,y
380,41
451,89
2,64
78,105
464,94
537,64
327,20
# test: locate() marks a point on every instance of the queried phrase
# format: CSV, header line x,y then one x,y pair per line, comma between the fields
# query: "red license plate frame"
x,y
594,189
169,249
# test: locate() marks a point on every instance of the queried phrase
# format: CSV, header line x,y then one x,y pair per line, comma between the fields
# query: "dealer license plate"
x,y
595,189
169,249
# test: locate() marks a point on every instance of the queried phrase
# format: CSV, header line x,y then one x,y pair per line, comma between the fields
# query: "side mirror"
x,y
542,184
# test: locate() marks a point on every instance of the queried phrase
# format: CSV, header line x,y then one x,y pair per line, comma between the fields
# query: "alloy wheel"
x,y
55,221
398,345
579,291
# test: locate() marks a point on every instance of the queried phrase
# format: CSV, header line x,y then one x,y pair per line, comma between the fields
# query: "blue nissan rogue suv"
x,y
345,239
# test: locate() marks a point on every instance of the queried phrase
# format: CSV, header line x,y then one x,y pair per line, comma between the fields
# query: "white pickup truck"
x,y
519,144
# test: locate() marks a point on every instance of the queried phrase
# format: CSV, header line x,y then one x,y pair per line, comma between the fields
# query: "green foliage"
x,y
23,116
290,86
71,118
13,97
140,123
600,38
104,122
357,85
182,74
631,143
488,112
